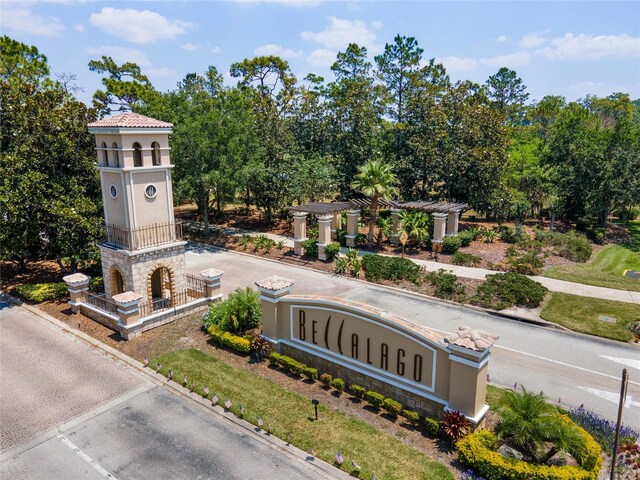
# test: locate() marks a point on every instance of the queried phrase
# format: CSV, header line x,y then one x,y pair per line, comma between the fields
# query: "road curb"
x,y
320,466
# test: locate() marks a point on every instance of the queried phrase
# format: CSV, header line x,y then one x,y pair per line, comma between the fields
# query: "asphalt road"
x,y
67,411
570,368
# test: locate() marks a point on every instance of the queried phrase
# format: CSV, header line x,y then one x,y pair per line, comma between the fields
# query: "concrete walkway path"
x,y
552,284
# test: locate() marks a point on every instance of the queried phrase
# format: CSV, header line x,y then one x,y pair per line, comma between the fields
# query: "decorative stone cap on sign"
x,y
127,299
76,279
274,283
211,273
476,340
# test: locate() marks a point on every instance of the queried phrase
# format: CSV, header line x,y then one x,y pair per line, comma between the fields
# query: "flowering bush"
x,y
602,430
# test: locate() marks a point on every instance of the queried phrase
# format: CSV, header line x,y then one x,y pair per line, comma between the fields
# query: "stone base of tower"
x,y
136,269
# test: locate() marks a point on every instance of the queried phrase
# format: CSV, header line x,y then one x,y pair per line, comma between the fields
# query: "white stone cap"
x,y
299,214
211,273
325,217
274,283
439,215
76,279
475,340
127,299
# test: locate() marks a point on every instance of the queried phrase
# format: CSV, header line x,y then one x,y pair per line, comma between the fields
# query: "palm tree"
x,y
376,181
416,225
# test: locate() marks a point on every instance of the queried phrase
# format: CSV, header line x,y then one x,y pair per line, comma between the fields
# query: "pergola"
x,y
329,215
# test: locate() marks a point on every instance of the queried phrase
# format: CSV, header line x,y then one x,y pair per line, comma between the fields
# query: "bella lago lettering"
x,y
365,341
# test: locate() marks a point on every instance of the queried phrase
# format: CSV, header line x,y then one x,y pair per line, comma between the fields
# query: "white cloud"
x,y
161,72
286,3
138,26
22,19
376,24
78,27
277,50
122,54
216,50
533,40
342,32
190,47
516,59
501,39
600,89
322,58
590,47
458,64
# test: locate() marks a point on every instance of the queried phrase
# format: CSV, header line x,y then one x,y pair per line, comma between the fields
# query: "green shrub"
x,y
431,426
478,452
573,246
326,380
338,384
331,250
292,366
274,359
245,241
489,236
310,373
597,235
96,284
226,339
504,290
446,284
509,234
412,417
41,292
466,237
451,244
374,399
310,247
465,259
524,264
392,407
357,391
350,264
379,267
239,312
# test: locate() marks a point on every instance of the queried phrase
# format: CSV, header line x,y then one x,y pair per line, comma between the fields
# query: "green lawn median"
x,y
290,413
603,318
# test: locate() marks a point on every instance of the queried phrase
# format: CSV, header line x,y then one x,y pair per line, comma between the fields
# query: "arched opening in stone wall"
x,y
160,287
117,282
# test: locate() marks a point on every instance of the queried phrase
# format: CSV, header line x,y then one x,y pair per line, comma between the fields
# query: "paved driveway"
x,y
68,412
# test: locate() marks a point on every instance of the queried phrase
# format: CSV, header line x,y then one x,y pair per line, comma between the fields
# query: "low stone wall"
x,y
409,400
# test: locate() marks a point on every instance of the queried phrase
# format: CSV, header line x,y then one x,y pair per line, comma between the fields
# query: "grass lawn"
x,y
606,268
581,315
287,412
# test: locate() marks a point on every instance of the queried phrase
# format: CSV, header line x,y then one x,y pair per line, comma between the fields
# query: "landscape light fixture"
x,y
315,405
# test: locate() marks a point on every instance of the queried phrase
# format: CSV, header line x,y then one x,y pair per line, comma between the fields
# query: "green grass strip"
x,y
287,412
581,315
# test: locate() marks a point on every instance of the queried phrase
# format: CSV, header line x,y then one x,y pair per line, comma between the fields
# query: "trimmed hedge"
x,y
338,384
432,426
357,391
504,290
332,250
412,417
310,373
392,407
326,380
229,340
292,366
374,399
478,451
41,292
379,267
451,244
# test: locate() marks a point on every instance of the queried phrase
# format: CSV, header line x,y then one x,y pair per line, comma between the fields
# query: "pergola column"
x,y
395,229
352,227
324,234
452,223
439,227
336,224
299,231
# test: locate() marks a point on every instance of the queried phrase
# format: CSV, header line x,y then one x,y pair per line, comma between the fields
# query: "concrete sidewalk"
x,y
552,284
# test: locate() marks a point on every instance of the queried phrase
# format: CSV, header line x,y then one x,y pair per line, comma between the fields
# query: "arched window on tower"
x,y
105,154
155,153
137,155
116,155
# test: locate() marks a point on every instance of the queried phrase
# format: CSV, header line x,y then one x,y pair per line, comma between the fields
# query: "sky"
x,y
557,48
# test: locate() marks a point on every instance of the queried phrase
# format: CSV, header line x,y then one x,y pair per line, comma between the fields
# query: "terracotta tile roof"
x,y
129,120
211,273
76,278
274,283
472,339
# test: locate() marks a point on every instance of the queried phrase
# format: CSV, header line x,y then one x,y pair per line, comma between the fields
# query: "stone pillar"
x,y
336,224
352,227
299,231
271,290
324,234
469,355
452,223
78,285
439,227
212,278
128,309
395,229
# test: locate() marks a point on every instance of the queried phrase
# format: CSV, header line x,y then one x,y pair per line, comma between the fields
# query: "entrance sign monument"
x,y
384,353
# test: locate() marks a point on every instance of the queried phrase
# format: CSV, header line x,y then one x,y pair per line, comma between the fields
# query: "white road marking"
x,y
86,457
611,396
629,362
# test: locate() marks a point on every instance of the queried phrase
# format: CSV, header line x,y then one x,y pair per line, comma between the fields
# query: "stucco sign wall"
x,y
379,350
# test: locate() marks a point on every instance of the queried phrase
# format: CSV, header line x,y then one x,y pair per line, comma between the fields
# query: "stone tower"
x,y
143,251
